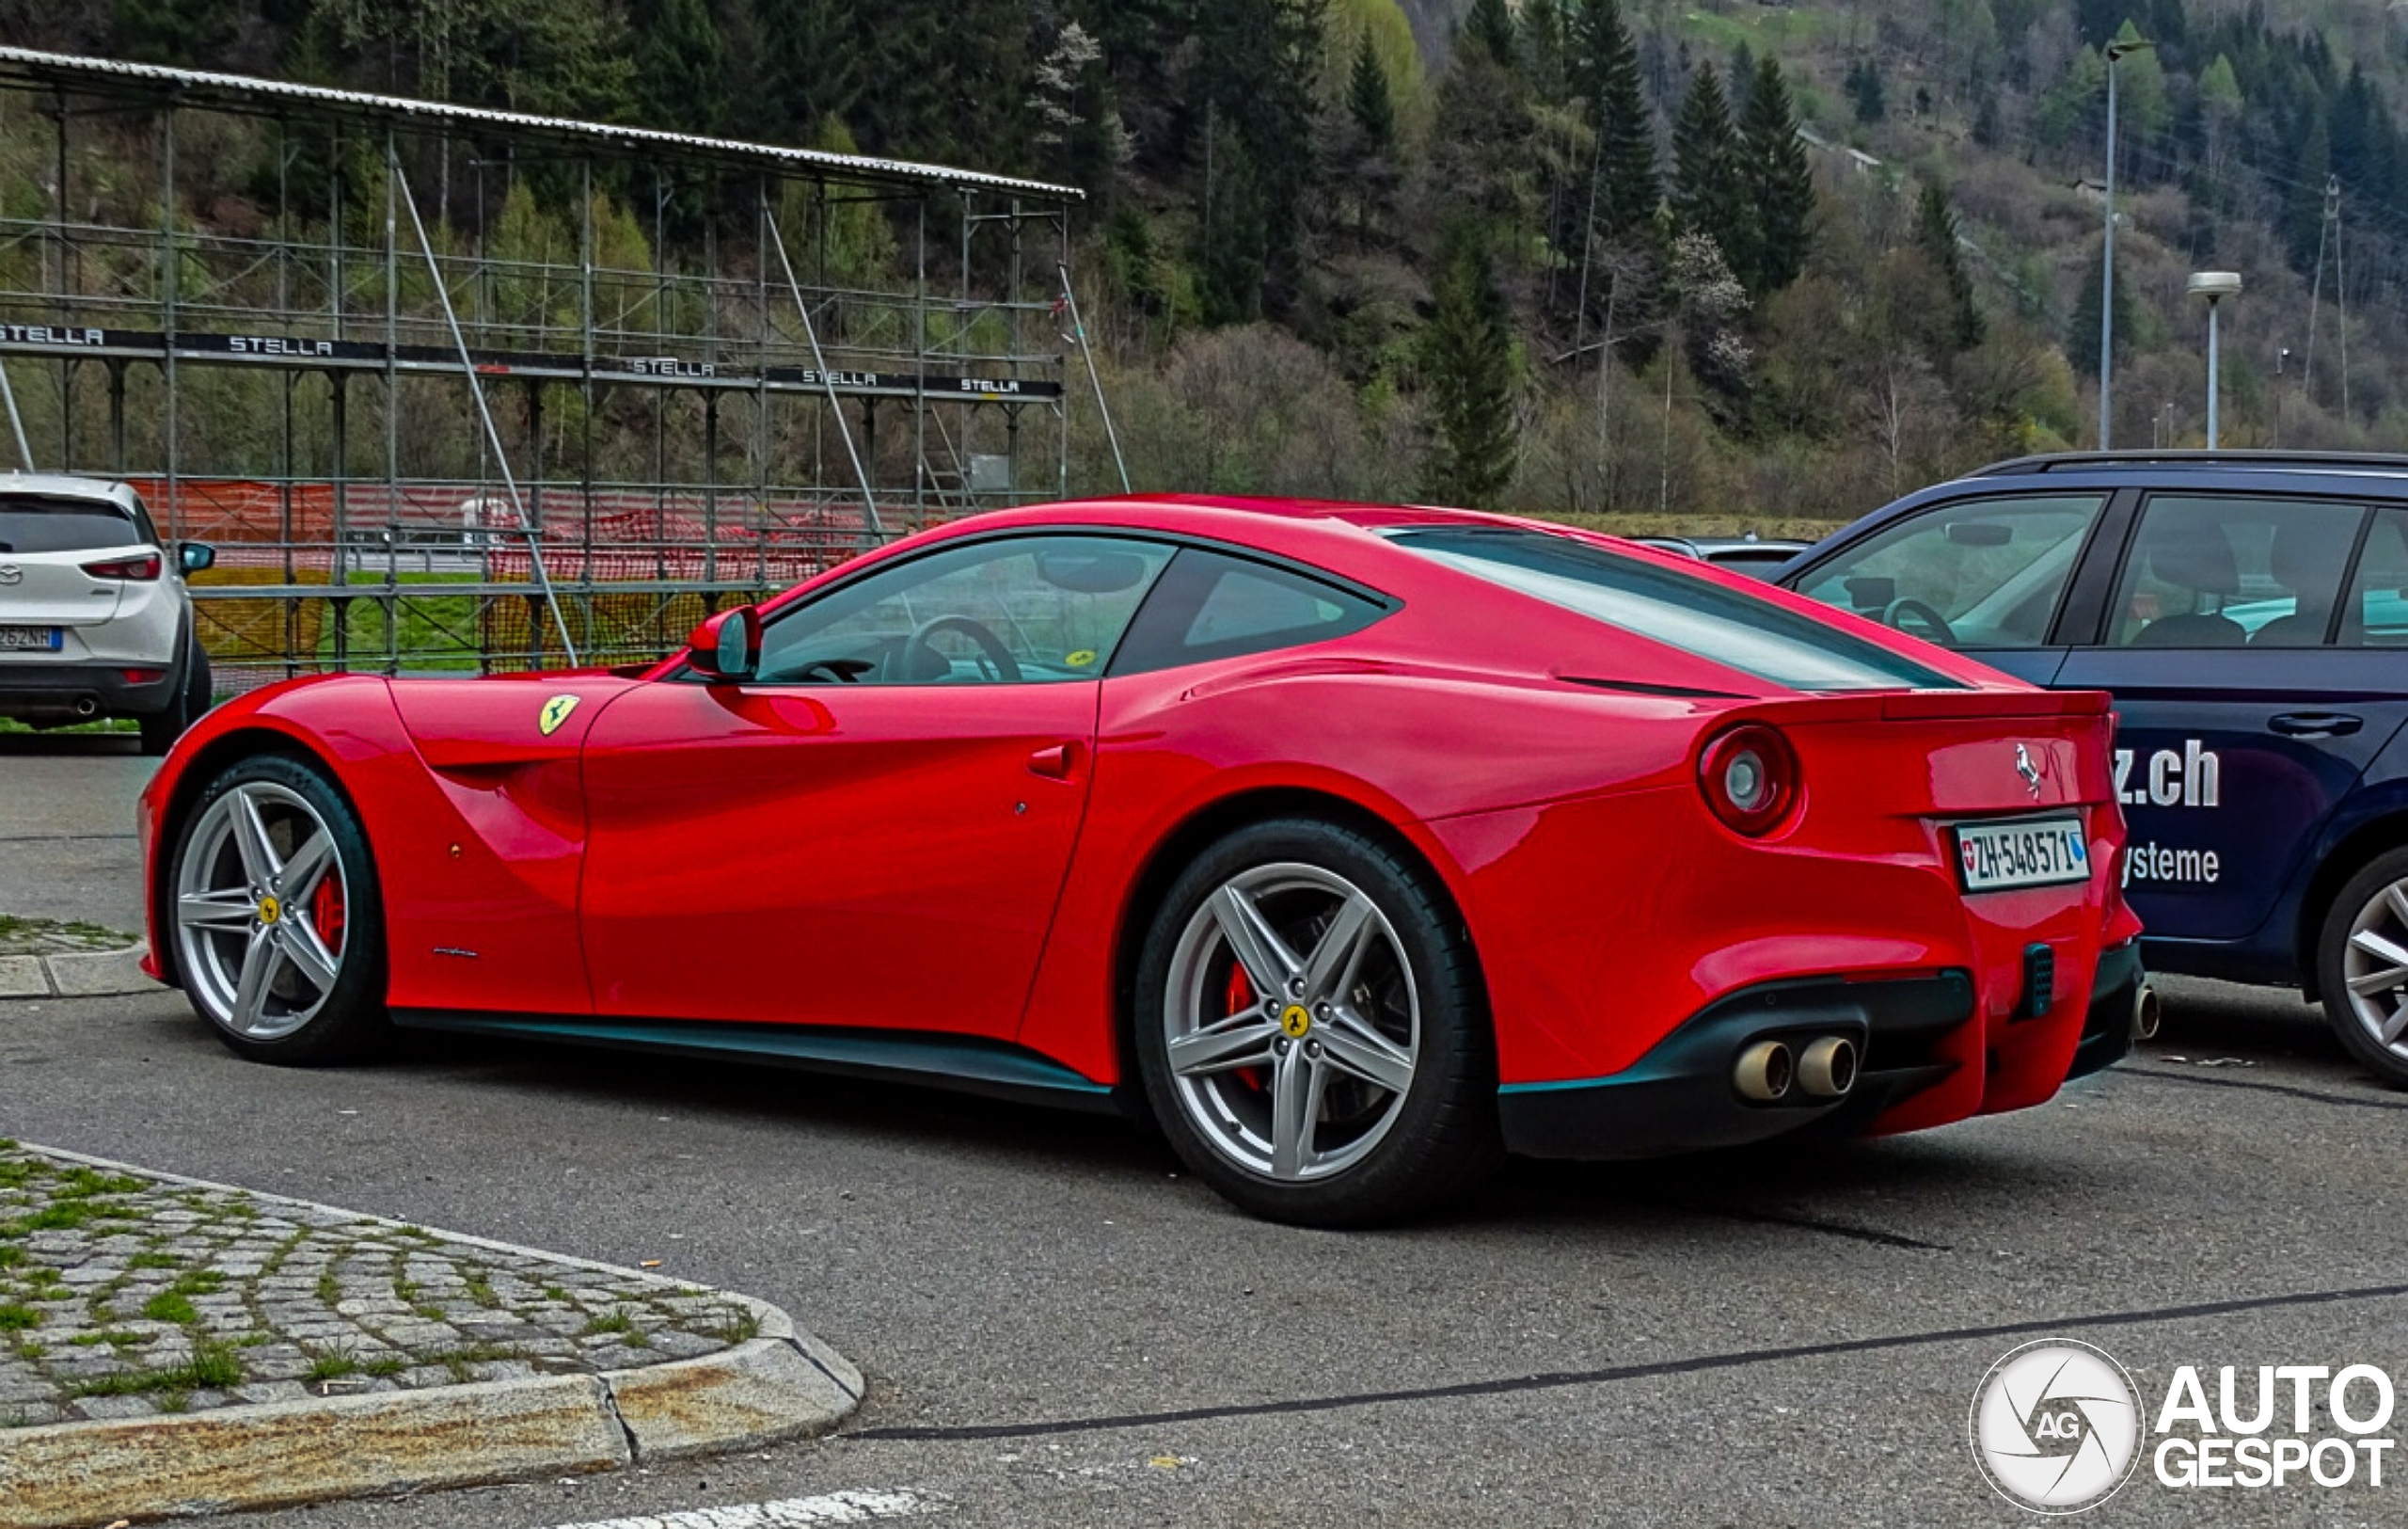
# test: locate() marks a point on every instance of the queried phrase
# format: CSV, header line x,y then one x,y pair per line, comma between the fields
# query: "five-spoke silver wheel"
x,y
260,910
1291,1022
2374,966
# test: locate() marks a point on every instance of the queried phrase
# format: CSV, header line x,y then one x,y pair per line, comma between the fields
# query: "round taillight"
x,y
1749,777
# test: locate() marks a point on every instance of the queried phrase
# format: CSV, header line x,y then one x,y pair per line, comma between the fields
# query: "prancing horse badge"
x,y
554,711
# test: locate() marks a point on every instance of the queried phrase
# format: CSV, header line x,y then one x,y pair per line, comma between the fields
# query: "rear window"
x,y
33,523
1665,605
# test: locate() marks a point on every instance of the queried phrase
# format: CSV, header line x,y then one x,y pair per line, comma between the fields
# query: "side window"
x,y
2223,571
1982,573
2376,613
1210,605
1015,610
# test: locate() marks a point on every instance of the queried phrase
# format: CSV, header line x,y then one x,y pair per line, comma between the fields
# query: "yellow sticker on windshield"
x,y
1080,659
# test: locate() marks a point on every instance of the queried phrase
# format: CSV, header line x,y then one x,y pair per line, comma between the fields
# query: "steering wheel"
x,y
831,671
1934,626
992,655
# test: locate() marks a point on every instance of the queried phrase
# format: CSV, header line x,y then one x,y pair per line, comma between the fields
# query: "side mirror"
x,y
727,647
195,556
1871,592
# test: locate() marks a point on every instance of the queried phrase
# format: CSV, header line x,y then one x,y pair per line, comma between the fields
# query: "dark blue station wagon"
x,y
2249,612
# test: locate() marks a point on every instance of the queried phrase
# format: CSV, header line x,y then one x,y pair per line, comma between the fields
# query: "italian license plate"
x,y
2029,852
30,639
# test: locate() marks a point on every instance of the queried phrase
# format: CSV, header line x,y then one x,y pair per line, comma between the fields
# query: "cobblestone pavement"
x,y
122,1296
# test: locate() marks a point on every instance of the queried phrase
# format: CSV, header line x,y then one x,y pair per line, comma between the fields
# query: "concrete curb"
x,y
781,1383
80,974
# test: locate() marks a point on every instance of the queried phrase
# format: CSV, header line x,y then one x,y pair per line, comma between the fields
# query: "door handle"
x,y
2315,723
1054,763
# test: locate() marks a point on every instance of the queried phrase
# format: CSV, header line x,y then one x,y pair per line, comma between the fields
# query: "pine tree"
x,y
1369,100
1489,24
1710,192
1779,181
1233,231
1865,90
2081,329
1936,236
678,81
1604,73
1468,352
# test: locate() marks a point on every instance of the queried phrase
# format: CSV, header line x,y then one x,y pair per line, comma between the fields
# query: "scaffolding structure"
x,y
436,410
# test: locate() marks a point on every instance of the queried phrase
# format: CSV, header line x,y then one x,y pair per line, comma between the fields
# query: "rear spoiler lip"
x,y
2002,705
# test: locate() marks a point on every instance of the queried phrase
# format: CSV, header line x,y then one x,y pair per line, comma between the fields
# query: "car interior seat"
x,y
2200,560
2306,559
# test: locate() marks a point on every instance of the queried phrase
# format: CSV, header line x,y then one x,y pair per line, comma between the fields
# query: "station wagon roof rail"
x,y
2243,461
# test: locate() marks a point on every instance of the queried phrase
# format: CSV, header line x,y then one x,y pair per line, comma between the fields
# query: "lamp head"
x,y
2116,51
2214,284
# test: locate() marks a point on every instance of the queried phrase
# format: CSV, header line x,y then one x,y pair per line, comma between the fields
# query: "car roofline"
x,y
60,486
2256,460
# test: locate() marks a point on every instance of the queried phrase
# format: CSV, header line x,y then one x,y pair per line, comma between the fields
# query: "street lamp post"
x,y
2216,286
2116,53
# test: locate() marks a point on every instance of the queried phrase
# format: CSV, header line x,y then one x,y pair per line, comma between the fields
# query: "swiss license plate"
x,y
2029,852
30,639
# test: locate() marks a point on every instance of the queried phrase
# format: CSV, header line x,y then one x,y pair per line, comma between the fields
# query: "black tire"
x,y
160,729
1441,1136
2365,896
347,1021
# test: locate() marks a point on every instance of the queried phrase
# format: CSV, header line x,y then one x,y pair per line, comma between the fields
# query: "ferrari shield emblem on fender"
x,y
554,711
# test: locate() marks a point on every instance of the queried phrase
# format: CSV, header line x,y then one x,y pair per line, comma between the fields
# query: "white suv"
x,y
95,620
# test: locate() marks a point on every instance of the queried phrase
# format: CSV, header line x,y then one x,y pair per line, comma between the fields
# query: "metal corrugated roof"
x,y
245,94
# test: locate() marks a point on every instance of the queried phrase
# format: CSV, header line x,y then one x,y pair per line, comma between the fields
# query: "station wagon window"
x,y
1210,605
2376,613
1015,610
1727,625
2214,571
1983,573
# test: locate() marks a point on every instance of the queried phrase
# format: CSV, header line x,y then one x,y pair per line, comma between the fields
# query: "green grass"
x,y
384,1366
211,1366
16,1316
618,1321
331,1365
330,1290
742,1326
154,1261
169,1306
480,1288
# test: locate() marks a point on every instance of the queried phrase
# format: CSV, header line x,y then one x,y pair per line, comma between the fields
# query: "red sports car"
x,y
1358,845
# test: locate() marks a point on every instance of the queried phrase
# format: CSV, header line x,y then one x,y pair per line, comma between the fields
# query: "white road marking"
x,y
859,1507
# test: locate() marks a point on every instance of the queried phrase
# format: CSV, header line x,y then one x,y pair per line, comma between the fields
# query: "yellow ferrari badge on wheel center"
x,y
554,711
1295,1021
270,910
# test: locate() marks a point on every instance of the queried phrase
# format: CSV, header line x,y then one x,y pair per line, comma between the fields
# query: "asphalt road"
x,y
1060,1328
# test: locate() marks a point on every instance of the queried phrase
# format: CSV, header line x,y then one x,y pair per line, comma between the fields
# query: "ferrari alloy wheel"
x,y
276,915
2363,966
1310,1032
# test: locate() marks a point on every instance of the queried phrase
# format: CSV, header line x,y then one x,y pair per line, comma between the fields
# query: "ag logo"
x,y
2056,1426
554,711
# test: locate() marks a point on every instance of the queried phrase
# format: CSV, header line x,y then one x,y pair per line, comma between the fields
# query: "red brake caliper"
x,y
326,914
1241,998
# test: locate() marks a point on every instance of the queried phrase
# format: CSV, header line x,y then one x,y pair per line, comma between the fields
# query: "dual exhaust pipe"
x,y
1823,1068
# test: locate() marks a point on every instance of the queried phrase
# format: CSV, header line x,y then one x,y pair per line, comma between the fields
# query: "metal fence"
x,y
452,389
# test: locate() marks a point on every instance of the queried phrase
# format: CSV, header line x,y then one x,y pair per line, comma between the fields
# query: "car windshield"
x,y
35,523
1698,615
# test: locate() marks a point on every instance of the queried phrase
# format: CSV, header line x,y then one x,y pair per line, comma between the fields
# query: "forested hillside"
x,y
1564,255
